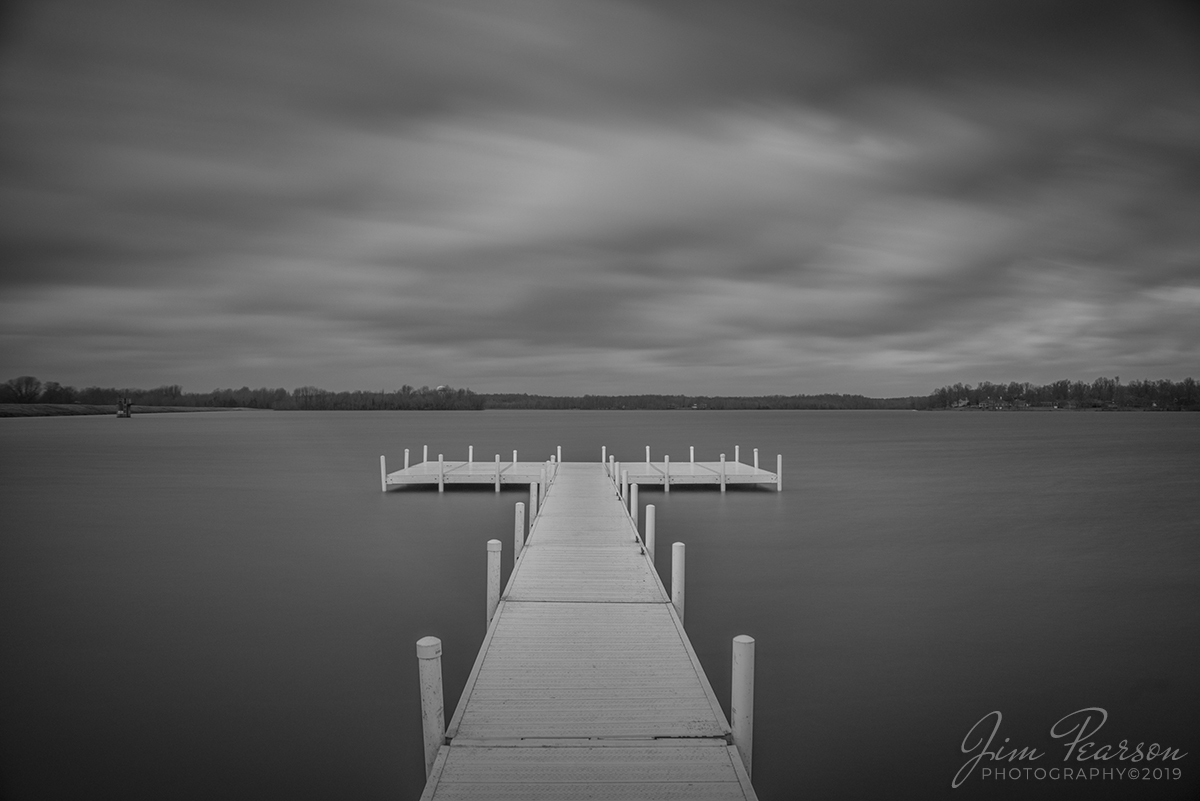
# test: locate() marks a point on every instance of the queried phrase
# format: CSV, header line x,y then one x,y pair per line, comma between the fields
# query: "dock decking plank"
x,y
586,685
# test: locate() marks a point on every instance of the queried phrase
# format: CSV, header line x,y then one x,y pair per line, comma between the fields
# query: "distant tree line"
x,y
523,401
1103,393
27,389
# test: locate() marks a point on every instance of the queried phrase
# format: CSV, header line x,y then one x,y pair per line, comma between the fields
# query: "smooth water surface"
x,y
225,605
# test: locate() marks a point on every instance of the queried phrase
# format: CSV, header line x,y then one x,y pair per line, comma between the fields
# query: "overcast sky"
x,y
557,196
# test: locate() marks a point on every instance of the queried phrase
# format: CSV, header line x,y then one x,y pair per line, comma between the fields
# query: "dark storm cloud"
x,y
569,196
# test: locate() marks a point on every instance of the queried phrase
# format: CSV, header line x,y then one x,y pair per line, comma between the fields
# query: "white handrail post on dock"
x,y
650,531
677,572
756,458
559,460
542,485
625,485
519,530
424,453
493,578
779,472
722,472
647,454
497,472
406,458
667,473
633,504
514,457
441,473
533,502
604,455
741,704
383,472
433,714
737,453
692,453
470,454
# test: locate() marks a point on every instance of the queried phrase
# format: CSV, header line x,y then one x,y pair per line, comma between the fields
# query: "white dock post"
x,y
722,472
779,472
737,453
406,458
470,454
433,714
542,485
650,531
604,455
519,530
677,578
612,468
756,458
667,473
633,505
497,472
441,474
559,460
424,453
692,453
383,472
625,485
514,457
741,704
533,502
493,578
647,454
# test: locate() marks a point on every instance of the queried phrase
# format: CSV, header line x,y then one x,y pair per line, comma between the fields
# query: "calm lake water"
x,y
225,605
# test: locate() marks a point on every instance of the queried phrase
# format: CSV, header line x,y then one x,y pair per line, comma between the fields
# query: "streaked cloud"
x,y
597,196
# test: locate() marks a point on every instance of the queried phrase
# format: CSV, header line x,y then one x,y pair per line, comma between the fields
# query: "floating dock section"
x,y
586,685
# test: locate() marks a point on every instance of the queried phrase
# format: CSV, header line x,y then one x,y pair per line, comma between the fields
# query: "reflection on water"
x,y
225,605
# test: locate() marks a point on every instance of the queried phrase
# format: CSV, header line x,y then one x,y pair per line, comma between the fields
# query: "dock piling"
x,y
497,472
519,530
756,458
514,456
650,531
647,454
470,454
604,454
441,473
424,453
737,453
722,472
741,704
533,504
383,472
677,578
493,578
692,453
625,485
779,472
406,458
559,460
633,505
433,713
667,473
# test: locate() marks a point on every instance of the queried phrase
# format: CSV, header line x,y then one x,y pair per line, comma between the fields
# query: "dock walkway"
x,y
586,685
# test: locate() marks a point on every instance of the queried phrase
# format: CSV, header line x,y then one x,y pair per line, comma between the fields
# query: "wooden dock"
x,y
586,685
663,473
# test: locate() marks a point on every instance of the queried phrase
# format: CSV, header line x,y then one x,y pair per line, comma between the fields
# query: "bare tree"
x,y
24,389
